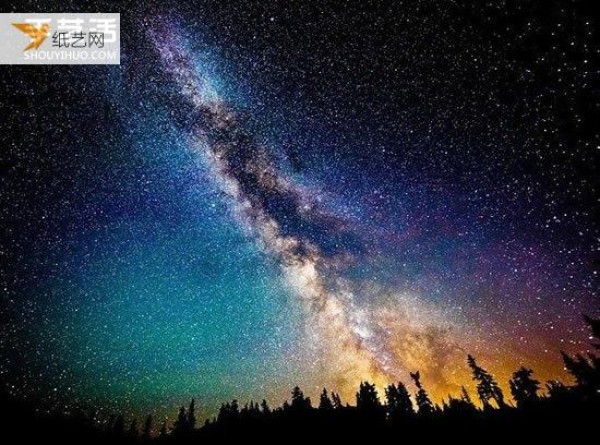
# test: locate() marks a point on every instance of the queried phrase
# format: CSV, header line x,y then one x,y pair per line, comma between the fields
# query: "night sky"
x,y
266,194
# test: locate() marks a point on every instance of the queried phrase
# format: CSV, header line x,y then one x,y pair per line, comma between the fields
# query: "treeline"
x,y
395,413
396,407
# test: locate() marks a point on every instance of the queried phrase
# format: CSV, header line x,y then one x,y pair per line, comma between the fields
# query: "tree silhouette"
x,y
119,426
563,405
299,402
191,417
181,425
265,407
586,370
557,390
594,325
462,406
422,398
235,409
464,395
163,429
255,409
251,411
228,412
459,406
398,402
335,399
523,387
147,430
325,402
487,388
133,429
367,398
245,412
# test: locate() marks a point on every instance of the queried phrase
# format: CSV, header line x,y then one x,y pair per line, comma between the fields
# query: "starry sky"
x,y
315,193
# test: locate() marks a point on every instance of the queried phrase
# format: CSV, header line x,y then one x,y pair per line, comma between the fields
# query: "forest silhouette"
x,y
562,411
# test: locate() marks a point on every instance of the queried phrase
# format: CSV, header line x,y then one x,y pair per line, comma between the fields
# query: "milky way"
x,y
361,340
266,196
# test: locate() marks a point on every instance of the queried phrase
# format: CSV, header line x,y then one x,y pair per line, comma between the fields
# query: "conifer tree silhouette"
x,y
110,423
245,411
523,387
487,388
424,403
235,409
367,398
557,390
163,429
325,402
586,370
224,412
391,395
191,417
404,403
564,404
299,402
594,325
580,368
253,410
133,429
464,395
228,412
335,399
147,430
181,425
265,407
462,406
119,426
398,403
